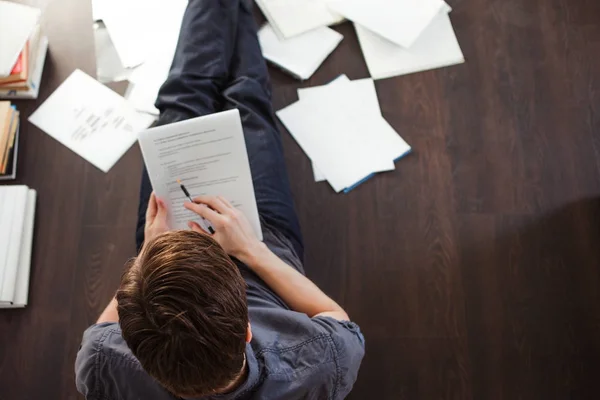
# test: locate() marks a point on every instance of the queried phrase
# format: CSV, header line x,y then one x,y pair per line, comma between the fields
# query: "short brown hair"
x,y
184,314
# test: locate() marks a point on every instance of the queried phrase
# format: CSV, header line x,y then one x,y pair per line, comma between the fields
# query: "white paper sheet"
x,y
98,9
332,144
317,174
303,93
337,135
436,47
127,25
14,35
108,64
294,17
142,98
399,21
370,103
149,77
135,26
363,102
302,54
365,95
91,120
208,154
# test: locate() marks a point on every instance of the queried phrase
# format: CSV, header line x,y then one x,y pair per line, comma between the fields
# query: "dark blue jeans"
x,y
218,66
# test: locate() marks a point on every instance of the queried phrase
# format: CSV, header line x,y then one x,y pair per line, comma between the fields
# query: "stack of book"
x,y
9,140
17,214
23,51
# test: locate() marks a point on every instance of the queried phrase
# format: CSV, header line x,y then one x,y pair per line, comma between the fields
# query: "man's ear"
x,y
249,333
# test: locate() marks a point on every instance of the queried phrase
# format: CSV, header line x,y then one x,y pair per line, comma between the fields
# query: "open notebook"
x,y
17,211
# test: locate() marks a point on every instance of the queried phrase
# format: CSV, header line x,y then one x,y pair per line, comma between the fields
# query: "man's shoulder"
x,y
314,358
105,340
106,368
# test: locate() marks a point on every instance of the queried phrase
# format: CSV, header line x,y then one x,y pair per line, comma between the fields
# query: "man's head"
x,y
183,313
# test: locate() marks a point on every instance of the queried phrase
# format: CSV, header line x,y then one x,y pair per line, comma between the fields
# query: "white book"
x,y
437,47
91,120
399,21
302,54
21,290
13,218
294,17
35,78
17,21
208,154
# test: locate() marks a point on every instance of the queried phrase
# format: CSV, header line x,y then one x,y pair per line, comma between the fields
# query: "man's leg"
x,y
198,75
249,90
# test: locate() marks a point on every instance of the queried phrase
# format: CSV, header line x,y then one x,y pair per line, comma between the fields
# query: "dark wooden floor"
x,y
473,269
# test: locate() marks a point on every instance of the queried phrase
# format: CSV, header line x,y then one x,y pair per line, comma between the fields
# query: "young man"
x,y
190,322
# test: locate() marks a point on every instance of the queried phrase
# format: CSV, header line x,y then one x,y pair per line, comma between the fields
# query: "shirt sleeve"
x,y
349,347
106,369
88,359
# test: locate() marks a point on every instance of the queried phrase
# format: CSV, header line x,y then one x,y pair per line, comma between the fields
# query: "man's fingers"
x,y
212,216
152,208
162,209
212,202
195,227
226,202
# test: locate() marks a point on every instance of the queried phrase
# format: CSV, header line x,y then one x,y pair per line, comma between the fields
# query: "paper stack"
x,y
340,128
402,36
17,211
23,50
9,140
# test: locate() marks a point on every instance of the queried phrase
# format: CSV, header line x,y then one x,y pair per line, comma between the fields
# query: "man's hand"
x,y
156,218
232,230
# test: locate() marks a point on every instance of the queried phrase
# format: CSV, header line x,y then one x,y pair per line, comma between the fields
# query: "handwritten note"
x,y
90,119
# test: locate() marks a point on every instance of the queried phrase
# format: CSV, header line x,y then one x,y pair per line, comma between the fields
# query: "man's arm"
x,y
299,292
156,223
234,233
110,313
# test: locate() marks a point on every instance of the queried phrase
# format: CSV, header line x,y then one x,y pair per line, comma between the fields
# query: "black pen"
x,y
206,222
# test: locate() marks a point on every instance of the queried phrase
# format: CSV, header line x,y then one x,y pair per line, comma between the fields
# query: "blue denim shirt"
x,y
291,356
